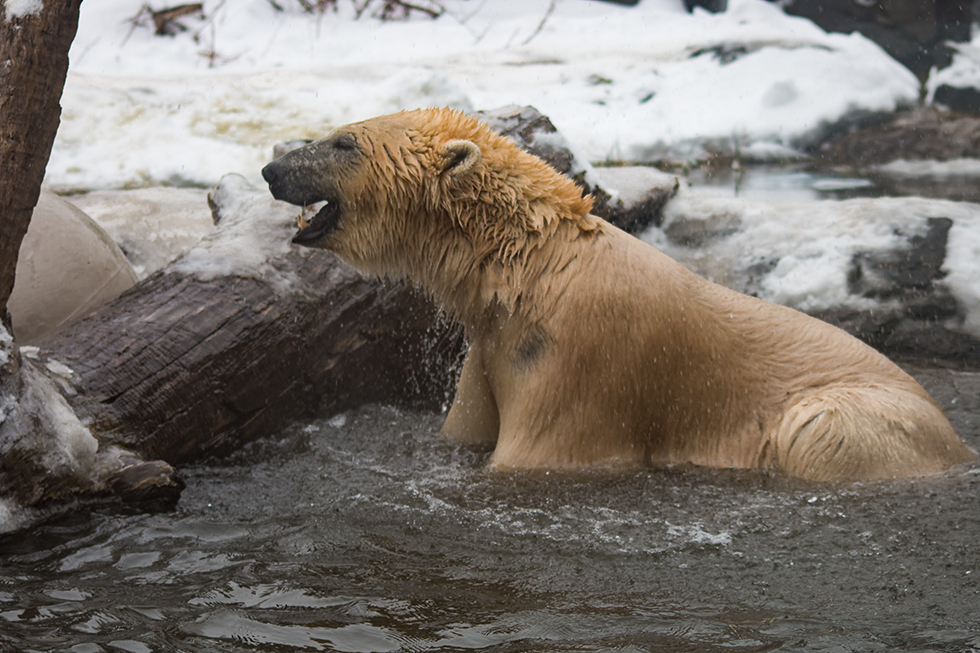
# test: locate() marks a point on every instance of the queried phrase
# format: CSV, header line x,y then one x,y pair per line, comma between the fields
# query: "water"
x,y
799,184
369,533
783,183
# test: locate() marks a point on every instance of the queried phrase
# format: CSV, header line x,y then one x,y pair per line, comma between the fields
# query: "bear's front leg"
x,y
473,417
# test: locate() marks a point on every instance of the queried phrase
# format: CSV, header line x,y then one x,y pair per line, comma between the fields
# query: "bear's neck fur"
x,y
497,227
479,238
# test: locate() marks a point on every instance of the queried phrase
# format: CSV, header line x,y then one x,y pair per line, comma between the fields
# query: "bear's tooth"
x,y
309,210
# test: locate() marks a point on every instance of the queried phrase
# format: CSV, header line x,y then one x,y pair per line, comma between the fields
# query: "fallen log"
x,y
240,336
244,334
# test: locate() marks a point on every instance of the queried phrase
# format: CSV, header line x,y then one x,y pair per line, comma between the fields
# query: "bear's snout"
x,y
289,181
282,184
297,177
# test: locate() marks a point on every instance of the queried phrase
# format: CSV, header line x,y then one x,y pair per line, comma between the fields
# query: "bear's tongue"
x,y
320,225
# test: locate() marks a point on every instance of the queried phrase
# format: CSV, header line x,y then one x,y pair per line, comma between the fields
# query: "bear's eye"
x,y
345,142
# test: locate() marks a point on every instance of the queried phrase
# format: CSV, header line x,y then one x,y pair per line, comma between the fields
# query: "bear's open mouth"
x,y
320,225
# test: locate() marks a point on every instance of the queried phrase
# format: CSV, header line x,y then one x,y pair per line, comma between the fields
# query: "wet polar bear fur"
x,y
588,347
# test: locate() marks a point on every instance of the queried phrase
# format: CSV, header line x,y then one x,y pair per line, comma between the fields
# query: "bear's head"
x,y
433,195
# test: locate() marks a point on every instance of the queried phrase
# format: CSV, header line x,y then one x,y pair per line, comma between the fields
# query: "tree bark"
x,y
181,369
34,49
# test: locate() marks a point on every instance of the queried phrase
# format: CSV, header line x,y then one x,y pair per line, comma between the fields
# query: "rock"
x,y
152,226
68,267
638,195
957,88
921,134
960,99
535,132
901,274
914,32
714,6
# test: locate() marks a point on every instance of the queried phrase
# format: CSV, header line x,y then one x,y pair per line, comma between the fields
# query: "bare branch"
x,y
544,19
165,20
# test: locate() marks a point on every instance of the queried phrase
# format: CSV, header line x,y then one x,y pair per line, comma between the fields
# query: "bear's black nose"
x,y
272,173
289,180
282,184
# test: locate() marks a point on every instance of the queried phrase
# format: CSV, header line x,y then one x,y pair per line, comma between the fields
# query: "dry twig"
x,y
399,9
165,20
317,6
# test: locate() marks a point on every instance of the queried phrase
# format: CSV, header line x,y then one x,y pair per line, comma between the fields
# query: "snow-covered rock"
x,y
153,226
957,86
901,273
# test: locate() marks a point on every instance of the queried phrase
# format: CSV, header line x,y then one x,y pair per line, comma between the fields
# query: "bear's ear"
x,y
459,157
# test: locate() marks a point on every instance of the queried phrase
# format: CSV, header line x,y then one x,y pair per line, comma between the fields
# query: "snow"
x,y
74,445
56,441
931,169
13,516
59,368
963,72
254,230
7,404
814,242
5,341
963,270
22,8
632,184
630,84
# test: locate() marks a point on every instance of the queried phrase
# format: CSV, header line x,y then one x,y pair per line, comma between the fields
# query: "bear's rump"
x,y
864,432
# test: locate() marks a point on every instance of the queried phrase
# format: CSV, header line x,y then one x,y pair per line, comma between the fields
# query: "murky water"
x,y
368,533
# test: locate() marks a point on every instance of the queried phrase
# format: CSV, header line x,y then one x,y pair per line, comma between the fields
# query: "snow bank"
x,y
620,83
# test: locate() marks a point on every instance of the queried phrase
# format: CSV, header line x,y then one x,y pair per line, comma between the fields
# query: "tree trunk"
x,y
34,46
182,368
42,448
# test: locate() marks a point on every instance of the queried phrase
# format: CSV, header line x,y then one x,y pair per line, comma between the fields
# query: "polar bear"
x,y
588,347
